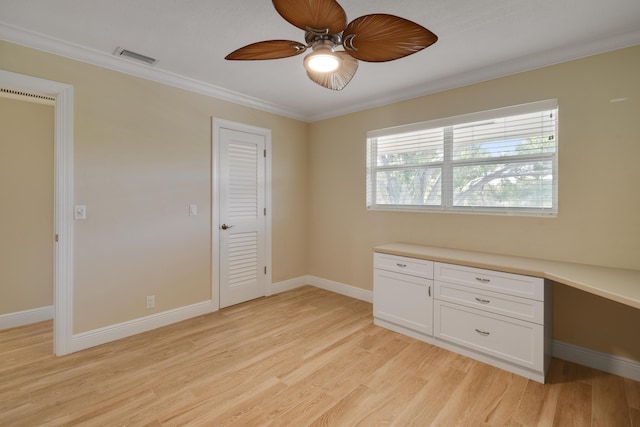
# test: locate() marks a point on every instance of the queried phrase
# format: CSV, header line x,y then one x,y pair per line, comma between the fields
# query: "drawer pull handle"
x,y
483,333
483,301
480,279
401,265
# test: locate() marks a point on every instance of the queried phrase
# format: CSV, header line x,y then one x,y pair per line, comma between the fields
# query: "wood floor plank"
x,y
348,410
308,408
302,357
497,402
574,405
609,401
428,402
464,402
632,391
393,402
343,385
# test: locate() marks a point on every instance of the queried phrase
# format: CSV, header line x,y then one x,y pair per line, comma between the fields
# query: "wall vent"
x,y
21,95
135,56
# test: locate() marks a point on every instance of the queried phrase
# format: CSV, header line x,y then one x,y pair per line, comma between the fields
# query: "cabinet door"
x,y
403,300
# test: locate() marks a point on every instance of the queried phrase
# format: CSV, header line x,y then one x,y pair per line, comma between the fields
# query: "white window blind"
x,y
499,161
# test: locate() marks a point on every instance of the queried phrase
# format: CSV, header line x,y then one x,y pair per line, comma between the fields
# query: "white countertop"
x,y
615,284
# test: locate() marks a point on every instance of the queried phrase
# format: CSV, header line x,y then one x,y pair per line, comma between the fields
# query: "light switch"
x,y
80,212
193,210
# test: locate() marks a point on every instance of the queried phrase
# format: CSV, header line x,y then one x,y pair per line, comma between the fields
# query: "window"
x,y
498,161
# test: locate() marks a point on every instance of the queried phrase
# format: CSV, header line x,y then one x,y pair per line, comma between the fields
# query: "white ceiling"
x,y
478,40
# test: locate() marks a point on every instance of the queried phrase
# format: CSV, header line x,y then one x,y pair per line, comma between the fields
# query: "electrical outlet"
x,y
80,212
193,210
151,301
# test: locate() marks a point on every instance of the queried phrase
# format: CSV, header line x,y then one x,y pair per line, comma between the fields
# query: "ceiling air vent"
x,y
136,56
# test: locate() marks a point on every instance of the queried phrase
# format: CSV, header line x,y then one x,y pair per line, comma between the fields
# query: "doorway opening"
x,y
63,198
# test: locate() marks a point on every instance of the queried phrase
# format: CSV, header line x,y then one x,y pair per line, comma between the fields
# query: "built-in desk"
x,y
615,284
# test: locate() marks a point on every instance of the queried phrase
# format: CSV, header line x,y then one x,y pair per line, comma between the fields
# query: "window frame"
x,y
447,164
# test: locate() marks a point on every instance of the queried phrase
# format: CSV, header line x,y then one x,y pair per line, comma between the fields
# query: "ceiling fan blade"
x,y
270,49
382,37
313,14
337,80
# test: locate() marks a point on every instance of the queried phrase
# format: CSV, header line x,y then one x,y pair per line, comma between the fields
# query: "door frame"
x,y
63,200
217,125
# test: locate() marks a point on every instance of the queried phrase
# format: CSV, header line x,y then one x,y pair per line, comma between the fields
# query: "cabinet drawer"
x,y
508,339
413,266
506,283
520,308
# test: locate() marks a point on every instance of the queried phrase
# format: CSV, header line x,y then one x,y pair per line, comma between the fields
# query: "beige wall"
x,y
599,201
142,155
26,215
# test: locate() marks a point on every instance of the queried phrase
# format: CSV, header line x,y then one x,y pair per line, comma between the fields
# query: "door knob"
x,y
225,226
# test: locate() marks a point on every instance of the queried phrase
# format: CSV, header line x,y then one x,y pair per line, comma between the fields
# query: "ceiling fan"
x,y
337,46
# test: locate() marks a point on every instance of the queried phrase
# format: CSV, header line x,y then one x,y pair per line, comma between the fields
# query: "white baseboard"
x,y
341,288
329,285
287,285
99,336
606,362
104,335
26,317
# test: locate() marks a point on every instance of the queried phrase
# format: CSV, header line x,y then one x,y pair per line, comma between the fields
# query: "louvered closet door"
x,y
242,217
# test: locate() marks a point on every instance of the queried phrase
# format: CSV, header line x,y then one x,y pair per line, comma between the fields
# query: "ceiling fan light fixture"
x,y
337,45
322,59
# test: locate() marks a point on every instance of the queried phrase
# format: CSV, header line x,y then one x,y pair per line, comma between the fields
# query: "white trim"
x,y
26,317
606,362
328,285
64,196
491,72
63,199
215,231
216,125
49,44
341,288
269,207
287,285
118,331
46,43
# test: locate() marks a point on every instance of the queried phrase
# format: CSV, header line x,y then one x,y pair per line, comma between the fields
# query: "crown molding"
x,y
49,44
494,71
59,47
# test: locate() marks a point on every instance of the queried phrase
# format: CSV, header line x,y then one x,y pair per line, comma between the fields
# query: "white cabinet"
x,y
403,295
499,318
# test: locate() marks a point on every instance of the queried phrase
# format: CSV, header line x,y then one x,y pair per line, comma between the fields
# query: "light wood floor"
x,y
303,357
